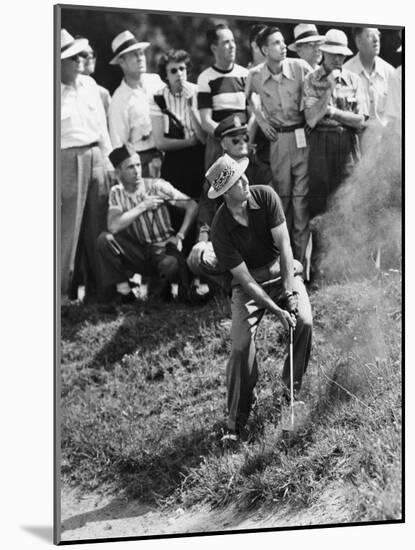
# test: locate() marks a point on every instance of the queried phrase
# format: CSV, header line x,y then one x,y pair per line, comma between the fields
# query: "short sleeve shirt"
x,y
234,243
129,113
222,91
281,94
347,95
152,226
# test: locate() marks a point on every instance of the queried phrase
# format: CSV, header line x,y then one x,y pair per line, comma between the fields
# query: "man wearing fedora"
x,y
251,241
279,84
373,71
335,109
307,44
232,132
85,145
140,237
129,112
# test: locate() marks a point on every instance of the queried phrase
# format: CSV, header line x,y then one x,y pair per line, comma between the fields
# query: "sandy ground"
x,y
92,516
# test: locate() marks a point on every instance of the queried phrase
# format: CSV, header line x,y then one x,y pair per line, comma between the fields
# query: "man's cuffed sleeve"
x,y
204,93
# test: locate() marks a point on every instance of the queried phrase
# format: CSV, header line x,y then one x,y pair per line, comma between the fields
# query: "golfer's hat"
x,y
232,125
304,33
224,173
123,43
336,43
71,46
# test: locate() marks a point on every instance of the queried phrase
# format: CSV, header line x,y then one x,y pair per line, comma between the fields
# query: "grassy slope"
x,y
143,404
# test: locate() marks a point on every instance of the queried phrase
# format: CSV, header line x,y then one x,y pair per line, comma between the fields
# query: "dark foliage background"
x,y
174,30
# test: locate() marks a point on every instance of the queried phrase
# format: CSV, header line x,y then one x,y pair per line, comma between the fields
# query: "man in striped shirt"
x,y
139,227
220,87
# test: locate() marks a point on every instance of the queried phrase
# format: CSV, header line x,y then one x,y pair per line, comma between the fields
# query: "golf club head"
x,y
300,417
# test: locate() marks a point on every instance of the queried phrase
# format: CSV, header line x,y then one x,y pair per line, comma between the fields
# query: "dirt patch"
x,y
93,516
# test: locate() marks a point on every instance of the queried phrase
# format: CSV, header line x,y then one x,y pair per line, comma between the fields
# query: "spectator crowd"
x,y
133,188
216,184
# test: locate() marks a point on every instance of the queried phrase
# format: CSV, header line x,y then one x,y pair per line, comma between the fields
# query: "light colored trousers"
x,y
289,167
84,202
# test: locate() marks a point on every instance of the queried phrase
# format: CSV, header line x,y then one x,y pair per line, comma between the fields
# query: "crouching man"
x,y
251,241
140,237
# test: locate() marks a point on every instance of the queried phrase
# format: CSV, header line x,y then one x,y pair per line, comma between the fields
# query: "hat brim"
x,y
137,46
316,38
235,131
242,166
80,45
337,50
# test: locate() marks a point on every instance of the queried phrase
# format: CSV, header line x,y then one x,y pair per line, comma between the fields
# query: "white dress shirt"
x,y
129,113
375,85
83,119
393,109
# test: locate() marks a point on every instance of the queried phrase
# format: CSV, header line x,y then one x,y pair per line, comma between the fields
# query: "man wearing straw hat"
x,y
335,108
307,43
85,146
251,241
129,112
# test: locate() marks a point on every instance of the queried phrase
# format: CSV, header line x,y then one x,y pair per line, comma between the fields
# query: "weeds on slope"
x,y
143,404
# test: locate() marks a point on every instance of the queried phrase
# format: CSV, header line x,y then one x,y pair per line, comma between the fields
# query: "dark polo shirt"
x,y
233,243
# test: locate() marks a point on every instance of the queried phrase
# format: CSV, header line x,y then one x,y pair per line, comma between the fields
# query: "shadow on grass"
x,y
141,328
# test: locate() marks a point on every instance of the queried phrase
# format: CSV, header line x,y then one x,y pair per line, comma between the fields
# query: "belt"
x,y
337,129
88,146
286,129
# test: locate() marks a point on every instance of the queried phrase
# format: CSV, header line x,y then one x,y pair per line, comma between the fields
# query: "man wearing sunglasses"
x,y
232,133
85,146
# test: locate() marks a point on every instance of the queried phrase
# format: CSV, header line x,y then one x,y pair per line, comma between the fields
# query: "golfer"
x,y
251,241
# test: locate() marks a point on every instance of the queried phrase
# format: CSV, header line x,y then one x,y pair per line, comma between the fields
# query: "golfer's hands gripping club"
x,y
290,308
287,319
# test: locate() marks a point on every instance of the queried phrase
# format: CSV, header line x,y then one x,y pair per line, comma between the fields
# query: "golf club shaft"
x,y
292,377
